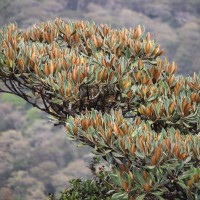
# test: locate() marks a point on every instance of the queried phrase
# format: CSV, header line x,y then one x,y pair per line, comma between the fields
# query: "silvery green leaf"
x,y
141,197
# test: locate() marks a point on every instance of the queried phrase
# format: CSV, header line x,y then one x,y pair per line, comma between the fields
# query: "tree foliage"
x,y
113,91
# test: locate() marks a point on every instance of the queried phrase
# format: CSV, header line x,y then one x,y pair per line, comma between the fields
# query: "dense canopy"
x,y
112,91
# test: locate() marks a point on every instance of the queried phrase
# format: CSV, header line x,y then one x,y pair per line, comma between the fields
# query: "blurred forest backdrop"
x,y
35,156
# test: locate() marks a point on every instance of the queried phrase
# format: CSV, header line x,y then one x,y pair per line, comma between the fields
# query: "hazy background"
x,y
35,157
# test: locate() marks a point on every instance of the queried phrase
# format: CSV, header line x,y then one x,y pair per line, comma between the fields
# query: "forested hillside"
x,y
35,156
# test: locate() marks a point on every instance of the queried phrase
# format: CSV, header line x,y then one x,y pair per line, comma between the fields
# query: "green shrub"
x,y
97,188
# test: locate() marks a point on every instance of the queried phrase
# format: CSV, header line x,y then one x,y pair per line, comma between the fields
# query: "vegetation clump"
x,y
100,188
113,91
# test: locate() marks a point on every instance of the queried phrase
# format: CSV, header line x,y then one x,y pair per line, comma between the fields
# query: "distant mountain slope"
x,y
35,157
